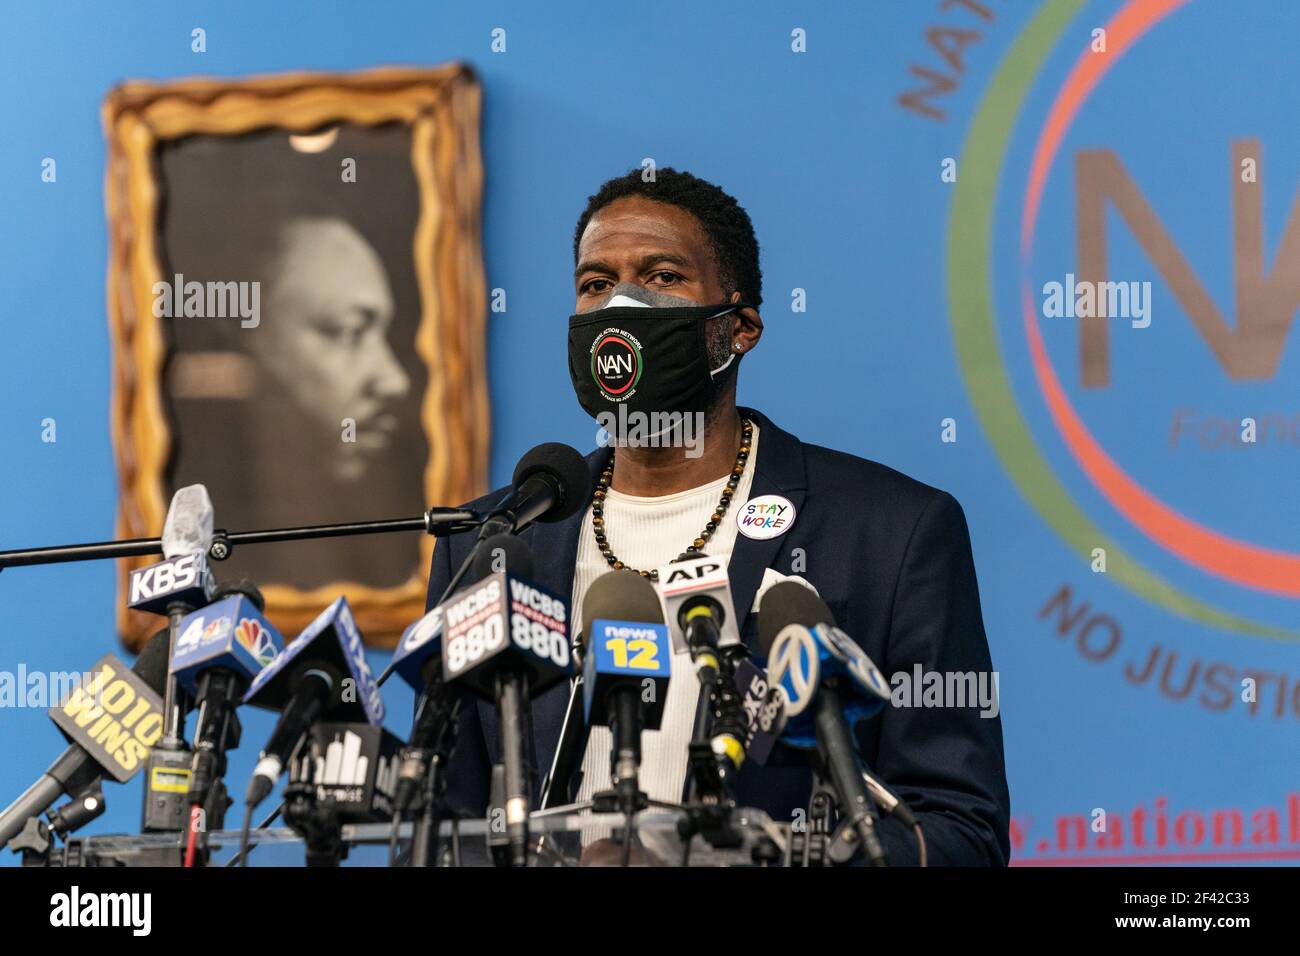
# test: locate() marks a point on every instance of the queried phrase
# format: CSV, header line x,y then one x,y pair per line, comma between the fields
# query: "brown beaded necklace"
x,y
602,487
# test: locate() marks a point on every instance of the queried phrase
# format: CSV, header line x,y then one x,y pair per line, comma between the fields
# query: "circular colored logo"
x,y
616,363
972,264
794,667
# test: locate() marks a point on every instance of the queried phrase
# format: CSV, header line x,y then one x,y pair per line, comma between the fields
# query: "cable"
x,y
392,840
192,843
244,848
244,835
451,586
920,842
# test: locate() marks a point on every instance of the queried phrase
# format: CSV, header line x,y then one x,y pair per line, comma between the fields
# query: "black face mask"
x,y
646,358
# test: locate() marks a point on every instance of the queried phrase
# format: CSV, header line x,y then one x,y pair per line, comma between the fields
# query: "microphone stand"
x,y
317,824
512,703
437,522
811,845
424,836
707,791
556,787
566,764
164,809
36,842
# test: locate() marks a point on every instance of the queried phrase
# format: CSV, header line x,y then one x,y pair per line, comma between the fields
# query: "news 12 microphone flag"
x,y
1044,255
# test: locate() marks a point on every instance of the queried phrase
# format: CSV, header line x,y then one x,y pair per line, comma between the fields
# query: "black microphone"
x,y
77,768
700,619
697,593
890,802
720,729
626,674
506,640
434,710
550,483
221,648
307,680
432,733
790,603
312,689
606,599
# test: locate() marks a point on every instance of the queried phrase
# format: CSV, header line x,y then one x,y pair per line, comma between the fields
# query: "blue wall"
x,y
844,189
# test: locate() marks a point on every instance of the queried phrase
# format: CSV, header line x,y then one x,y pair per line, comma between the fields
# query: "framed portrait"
x,y
297,310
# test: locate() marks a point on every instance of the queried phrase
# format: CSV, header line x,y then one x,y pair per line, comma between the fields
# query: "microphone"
x,y
221,648
765,719
435,711
111,722
421,642
174,586
696,592
188,526
828,683
889,802
696,595
418,661
322,672
804,651
182,577
764,711
506,640
628,656
184,580
550,483
607,599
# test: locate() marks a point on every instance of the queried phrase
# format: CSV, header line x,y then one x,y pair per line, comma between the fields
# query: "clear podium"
x,y
662,838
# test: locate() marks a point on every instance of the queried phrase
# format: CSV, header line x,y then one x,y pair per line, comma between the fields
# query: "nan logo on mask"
x,y
616,363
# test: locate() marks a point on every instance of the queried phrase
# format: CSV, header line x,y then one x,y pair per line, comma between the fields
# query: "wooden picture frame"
x,y
441,108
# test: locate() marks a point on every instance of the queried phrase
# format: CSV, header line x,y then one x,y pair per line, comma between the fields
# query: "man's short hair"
x,y
725,222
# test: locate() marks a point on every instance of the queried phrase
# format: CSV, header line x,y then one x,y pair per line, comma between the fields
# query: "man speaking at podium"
x,y
668,287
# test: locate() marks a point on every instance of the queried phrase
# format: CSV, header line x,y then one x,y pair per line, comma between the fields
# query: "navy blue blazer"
x,y
892,559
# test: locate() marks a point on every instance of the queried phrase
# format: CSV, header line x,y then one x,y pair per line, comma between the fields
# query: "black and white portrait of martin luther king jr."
x,y
303,408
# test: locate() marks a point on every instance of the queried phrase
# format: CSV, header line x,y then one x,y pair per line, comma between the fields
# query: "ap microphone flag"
x,y
697,579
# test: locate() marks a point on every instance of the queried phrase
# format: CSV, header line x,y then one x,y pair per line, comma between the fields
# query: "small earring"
x,y
737,347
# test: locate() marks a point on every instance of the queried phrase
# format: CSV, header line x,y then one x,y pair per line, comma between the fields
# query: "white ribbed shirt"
x,y
648,533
